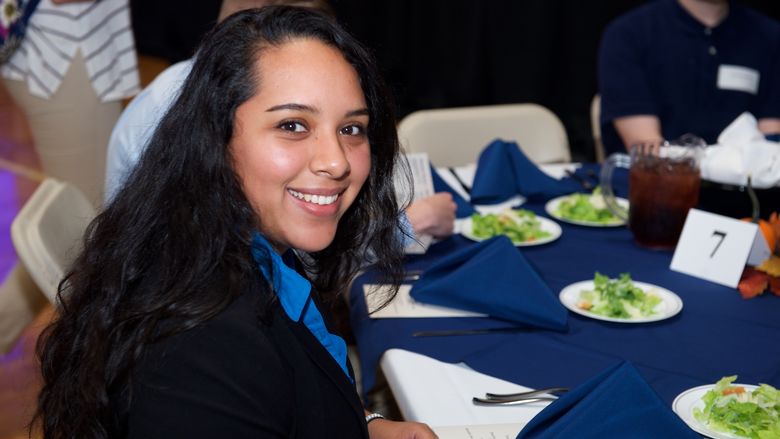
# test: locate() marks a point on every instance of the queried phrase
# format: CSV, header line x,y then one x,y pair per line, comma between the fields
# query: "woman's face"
x,y
300,144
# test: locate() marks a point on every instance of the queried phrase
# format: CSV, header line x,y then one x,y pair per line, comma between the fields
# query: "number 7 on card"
x,y
716,247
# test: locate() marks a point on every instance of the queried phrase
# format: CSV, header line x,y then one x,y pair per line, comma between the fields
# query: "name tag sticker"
x,y
738,78
716,247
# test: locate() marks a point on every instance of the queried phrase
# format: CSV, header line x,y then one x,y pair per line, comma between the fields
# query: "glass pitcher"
x,y
663,185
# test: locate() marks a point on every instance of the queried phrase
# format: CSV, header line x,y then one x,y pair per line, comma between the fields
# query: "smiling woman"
x,y
188,314
302,151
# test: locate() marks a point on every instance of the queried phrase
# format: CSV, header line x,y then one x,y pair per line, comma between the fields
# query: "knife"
x,y
461,182
587,185
448,332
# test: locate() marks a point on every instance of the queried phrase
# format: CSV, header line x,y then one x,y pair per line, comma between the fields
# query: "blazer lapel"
x,y
322,358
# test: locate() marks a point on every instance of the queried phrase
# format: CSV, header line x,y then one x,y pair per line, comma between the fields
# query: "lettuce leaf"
x,y
618,298
747,414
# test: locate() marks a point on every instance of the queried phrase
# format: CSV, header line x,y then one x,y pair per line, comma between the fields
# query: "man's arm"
x,y
638,129
434,215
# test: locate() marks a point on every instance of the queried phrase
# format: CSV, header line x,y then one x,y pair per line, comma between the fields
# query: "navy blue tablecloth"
x,y
717,333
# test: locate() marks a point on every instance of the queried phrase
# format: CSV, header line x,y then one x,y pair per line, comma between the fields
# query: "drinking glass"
x,y
663,185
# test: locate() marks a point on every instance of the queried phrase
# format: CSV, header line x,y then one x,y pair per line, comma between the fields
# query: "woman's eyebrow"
x,y
359,112
310,109
293,106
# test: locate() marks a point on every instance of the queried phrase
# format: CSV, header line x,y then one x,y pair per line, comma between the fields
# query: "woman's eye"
x,y
292,126
352,130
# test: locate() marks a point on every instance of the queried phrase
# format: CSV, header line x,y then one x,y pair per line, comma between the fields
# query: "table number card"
x,y
716,247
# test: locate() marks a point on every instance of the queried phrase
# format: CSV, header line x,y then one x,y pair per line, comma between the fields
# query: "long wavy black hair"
x,y
173,248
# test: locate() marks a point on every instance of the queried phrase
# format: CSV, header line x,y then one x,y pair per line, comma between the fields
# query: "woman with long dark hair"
x,y
187,314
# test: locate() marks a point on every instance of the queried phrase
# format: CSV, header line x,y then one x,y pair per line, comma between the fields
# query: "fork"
x,y
519,398
505,396
484,401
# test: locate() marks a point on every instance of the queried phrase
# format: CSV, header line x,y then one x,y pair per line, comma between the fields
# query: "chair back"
x,y
48,232
456,136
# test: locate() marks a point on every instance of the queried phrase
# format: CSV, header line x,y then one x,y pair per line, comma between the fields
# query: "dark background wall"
x,y
448,53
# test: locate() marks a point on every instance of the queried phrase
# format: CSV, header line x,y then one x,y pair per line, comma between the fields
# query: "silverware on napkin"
x,y
532,396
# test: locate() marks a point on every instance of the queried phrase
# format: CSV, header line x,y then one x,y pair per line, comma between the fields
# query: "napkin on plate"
x,y
439,185
504,171
742,150
492,277
615,403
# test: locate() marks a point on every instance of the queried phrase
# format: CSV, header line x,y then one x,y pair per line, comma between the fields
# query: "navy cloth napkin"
x,y
503,171
616,403
439,185
492,277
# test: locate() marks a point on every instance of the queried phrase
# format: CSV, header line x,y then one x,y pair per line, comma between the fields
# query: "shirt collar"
x,y
292,289
691,24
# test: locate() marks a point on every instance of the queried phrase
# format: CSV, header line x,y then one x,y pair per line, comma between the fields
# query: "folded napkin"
x,y
504,171
492,277
616,403
743,150
439,185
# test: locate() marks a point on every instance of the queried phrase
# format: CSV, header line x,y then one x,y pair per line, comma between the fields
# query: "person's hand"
x,y
386,429
434,215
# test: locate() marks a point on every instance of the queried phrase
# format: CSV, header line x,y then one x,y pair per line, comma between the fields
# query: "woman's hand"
x,y
386,429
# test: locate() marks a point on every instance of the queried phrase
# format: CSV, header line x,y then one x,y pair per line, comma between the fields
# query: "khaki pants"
x,y
71,130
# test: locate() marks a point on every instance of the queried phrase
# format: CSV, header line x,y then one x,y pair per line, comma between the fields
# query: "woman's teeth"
x,y
322,200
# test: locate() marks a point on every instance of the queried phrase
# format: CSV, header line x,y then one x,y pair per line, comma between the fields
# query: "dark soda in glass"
x,y
661,191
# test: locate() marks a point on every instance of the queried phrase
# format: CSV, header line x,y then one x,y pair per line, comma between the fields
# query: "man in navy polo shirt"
x,y
673,67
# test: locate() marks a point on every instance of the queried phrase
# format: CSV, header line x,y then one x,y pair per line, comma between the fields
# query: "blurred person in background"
x,y
75,64
672,67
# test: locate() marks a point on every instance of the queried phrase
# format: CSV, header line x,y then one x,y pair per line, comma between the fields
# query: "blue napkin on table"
x,y
492,277
503,171
616,403
439,185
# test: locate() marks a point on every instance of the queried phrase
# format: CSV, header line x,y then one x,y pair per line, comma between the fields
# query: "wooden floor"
x,y
20,382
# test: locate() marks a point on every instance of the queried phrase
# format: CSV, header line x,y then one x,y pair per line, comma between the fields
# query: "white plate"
x,y
685,402
670,305
547,225
552,206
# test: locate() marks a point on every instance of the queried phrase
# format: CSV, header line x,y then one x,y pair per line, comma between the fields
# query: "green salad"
x,y
519,225
618,298
586,208
733,409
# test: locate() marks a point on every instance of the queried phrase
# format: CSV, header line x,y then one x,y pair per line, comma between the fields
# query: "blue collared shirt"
x,y
294,293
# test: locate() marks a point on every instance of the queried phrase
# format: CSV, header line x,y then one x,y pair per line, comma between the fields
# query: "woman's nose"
x,y
329,157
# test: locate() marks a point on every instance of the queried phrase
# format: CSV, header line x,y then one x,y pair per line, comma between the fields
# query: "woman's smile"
x,y
314,198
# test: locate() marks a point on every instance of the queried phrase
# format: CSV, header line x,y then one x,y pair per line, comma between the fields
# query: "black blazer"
x,y
234,377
